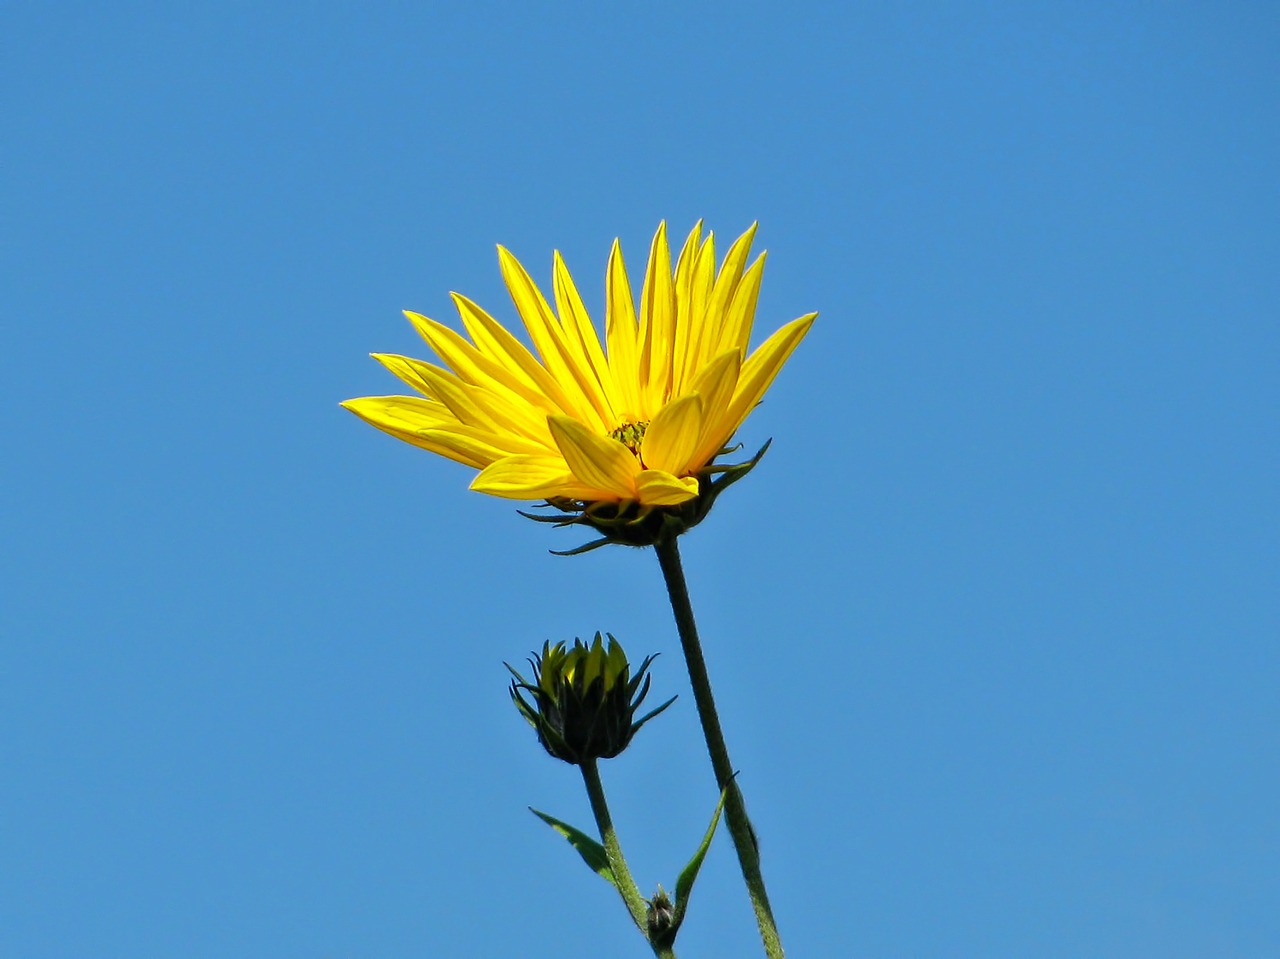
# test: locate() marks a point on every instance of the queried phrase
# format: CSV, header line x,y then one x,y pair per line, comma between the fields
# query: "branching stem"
x,y
626,885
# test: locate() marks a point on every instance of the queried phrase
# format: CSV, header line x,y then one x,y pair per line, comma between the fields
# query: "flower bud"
x,y
583,699
661,919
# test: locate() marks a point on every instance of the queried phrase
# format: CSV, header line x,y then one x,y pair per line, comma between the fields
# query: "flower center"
x,y
630,435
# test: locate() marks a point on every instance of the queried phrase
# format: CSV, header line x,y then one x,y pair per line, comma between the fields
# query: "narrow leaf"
x,y
592,852
684,884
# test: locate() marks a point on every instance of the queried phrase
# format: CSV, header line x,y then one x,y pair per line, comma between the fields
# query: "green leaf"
x,y
684,883
592,852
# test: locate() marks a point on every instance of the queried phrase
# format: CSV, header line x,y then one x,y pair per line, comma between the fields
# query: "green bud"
x,y
661,919
583,699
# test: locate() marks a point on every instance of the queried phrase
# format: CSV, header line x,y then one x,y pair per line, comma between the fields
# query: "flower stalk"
x,y
744,839
626,885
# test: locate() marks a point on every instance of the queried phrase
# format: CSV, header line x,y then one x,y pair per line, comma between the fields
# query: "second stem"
x,y
622,879
735,811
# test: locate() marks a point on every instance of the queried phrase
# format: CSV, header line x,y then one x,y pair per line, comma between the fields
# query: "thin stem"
x,y
735,811
626,886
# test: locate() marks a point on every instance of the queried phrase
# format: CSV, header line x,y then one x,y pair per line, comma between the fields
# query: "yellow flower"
x,y
636,419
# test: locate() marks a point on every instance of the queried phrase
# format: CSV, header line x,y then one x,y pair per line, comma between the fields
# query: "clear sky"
x,y
994,625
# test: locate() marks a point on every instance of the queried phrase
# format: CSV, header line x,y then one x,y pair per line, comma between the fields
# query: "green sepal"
x,y
636,727
592,852
557,520
684,883
579,550
731,474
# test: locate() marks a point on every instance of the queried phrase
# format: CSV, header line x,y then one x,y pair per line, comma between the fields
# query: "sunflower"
x,y
637,419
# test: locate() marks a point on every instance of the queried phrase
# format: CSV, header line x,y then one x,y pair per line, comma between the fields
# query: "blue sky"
x,y
994,625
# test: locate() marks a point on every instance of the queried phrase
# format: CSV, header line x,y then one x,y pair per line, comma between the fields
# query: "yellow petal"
x,y
580,333
407,418
595,460
475,367
492,406
409,412
762,366
703,280
532,478
406,368
742,310
657,488
416,419
726,284
657,313
673,434
452,392
716,385
549,339
620,331
691,306
496,342
475,446
676,341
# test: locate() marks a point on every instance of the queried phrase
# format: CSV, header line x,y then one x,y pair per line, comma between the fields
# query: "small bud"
x,y
583,700
661,919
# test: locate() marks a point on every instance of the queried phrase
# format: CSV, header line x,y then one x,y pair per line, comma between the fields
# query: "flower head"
x,y
630,424
584,699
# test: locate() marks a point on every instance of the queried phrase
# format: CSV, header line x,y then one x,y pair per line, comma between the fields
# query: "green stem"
x,y
735,811
626,886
